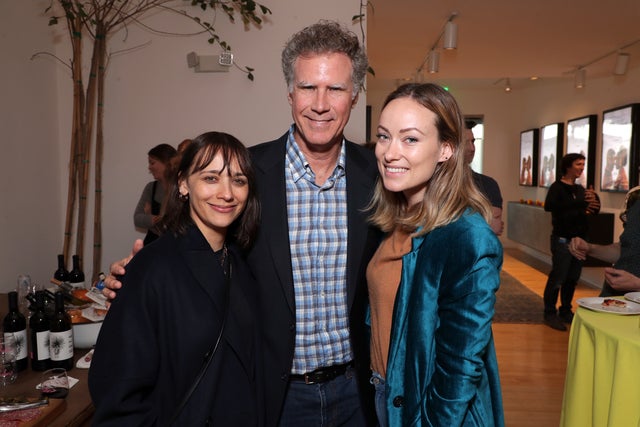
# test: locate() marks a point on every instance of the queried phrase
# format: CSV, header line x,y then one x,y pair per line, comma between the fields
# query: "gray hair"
x,y
325,37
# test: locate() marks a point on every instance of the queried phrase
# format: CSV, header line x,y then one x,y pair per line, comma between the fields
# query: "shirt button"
x,y
398,401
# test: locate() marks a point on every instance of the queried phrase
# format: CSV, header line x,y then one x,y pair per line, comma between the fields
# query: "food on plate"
x,y
612,302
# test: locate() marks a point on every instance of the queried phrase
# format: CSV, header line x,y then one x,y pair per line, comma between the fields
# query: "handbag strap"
x,y
208,357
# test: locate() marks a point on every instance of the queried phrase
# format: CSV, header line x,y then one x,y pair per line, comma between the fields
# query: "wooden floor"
x,y
532,358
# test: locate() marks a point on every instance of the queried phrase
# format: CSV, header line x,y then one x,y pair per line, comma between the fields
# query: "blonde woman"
x,y
432,281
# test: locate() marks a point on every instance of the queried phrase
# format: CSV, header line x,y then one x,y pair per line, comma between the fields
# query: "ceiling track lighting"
x,y
620,68
507,85
449,36
450,40
580,78
433,61
622,61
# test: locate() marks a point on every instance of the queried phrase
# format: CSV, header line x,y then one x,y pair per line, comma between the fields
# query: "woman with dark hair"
x,y
433,279
150,207
180,344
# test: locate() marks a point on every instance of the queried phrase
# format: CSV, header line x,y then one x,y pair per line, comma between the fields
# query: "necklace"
x,y
223,256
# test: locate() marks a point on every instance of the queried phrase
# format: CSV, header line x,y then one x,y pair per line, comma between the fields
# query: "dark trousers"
x,y
563,278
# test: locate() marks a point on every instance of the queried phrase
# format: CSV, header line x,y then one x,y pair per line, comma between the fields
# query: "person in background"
x,y
623,277
487,185
149,209
188,298
433,279
569,204
314,242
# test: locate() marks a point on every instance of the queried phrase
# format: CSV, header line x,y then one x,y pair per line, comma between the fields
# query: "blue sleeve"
x,y
466,303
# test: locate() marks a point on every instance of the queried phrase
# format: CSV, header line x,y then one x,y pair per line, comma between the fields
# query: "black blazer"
x,y
270,261
153,341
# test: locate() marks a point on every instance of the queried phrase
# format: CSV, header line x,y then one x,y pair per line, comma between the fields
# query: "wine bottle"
x,y
61,274
15,323
39,332
61,336
76,276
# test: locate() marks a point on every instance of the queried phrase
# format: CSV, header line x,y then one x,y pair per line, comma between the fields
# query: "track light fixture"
x,y
580,78
507,85
622,60
433,61
449,35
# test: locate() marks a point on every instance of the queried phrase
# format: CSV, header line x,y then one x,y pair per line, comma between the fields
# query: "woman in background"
x,y
149,209
185,299
432,281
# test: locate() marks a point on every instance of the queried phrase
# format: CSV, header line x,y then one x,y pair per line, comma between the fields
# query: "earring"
x,y
183,197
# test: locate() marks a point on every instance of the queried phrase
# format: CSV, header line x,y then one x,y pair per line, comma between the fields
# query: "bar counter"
x,y
75,410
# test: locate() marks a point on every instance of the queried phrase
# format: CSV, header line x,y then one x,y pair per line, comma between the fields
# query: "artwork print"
x,y
581,140
528,145
617,130
548,155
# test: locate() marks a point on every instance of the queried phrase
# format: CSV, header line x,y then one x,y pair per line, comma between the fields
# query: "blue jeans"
x,y
381,398
332,403
564,275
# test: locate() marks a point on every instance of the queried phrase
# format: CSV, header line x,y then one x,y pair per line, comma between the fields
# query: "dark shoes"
x,y
554,321
566,317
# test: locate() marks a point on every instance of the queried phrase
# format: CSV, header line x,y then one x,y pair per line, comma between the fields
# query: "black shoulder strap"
x,y
208,357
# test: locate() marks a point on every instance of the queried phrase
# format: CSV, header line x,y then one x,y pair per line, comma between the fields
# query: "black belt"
x,y
321,375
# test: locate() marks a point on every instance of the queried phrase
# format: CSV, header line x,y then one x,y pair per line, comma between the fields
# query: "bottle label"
x,y
61,345
21,343
42,345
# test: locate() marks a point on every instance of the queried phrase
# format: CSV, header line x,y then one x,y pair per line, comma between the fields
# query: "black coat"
x,y
154,339
270,261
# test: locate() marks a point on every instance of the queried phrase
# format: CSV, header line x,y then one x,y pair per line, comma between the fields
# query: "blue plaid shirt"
x,y
318,237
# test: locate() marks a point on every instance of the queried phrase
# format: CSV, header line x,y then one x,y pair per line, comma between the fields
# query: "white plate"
x,y
633,296
595,304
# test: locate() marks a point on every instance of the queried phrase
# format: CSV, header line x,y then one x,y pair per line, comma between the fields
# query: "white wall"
x,y
30,176
152,97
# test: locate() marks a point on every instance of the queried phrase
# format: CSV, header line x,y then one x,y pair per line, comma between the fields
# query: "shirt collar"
x,y
298,164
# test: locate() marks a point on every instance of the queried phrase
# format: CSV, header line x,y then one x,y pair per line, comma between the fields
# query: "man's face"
x,y
469,146
321,99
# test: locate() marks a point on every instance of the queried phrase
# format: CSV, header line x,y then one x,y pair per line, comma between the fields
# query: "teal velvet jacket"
x,y
442,368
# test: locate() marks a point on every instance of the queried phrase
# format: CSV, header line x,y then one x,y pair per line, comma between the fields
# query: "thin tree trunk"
x,y
97,223
78,107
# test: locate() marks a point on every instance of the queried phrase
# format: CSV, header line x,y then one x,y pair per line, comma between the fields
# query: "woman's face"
x,y
576,169
217,197
156,168
408,148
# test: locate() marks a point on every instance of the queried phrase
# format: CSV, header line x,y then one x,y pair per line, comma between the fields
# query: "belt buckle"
x,y
307,379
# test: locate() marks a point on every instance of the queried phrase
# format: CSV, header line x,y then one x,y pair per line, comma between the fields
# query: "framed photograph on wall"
x,y
619,146
581,138
551,142
529,157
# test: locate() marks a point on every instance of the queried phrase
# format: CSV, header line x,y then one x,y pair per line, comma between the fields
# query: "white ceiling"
x,y
501,38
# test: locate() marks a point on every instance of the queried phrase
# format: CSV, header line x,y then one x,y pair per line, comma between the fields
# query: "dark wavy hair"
x,y
162,152
196,157
567,162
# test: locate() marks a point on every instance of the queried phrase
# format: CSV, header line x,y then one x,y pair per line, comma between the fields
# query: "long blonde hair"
x,y
451,189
